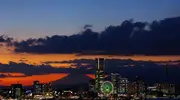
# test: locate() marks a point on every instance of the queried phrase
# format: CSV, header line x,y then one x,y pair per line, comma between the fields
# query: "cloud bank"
x,y
129,38
156,38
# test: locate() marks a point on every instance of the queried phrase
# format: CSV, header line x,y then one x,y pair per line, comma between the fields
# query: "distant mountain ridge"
x,y
72,79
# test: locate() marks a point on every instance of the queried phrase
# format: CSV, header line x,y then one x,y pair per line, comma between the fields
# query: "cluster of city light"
x,y
119,87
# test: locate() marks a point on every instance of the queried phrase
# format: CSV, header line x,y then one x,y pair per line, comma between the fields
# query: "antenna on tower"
x,y
166,72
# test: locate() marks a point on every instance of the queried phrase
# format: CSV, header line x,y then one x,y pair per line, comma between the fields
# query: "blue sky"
x,y
38,18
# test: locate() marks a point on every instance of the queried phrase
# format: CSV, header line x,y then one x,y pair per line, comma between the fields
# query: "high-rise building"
x,y
131,88
16,91
115,81
37,87
91,85
91,92
139,86
46,88
99,77
123,85
168,88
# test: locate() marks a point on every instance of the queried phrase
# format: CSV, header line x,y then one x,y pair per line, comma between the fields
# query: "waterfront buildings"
x,y
123,85
37,87
16,91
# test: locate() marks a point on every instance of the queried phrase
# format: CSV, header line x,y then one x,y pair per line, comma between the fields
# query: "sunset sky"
x,y
42,20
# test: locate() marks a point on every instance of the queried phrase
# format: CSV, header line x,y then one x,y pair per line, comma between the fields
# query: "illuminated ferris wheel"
x,y
107,88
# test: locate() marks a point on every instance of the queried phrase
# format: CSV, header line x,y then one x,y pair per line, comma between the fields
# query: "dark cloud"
x,y
156,38
2,76
87,26
29,69
7,40
2,39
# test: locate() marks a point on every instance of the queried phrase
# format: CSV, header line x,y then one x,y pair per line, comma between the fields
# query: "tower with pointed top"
x,y
166,73
99,77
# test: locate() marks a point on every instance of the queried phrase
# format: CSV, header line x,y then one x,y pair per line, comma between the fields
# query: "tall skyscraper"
x,y
37,87
115,80
123,85
166,73
99,77
91,85
139,86
16,91
46,88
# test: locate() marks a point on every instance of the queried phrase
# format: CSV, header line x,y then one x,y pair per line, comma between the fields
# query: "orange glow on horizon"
x,y
63,65
28,80
38,59
93,76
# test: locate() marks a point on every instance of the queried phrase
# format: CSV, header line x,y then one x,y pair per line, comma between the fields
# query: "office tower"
x,y
91,92
16,91
168,88
172,89
166,73
139,86
123,85
99,77
37,87
115,80
46,88
131,88
91,85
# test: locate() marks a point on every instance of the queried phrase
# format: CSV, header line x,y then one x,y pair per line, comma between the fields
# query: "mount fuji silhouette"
x,y
72,79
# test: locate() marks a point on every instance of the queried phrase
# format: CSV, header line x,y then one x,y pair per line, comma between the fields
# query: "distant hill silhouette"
x,y
72,79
